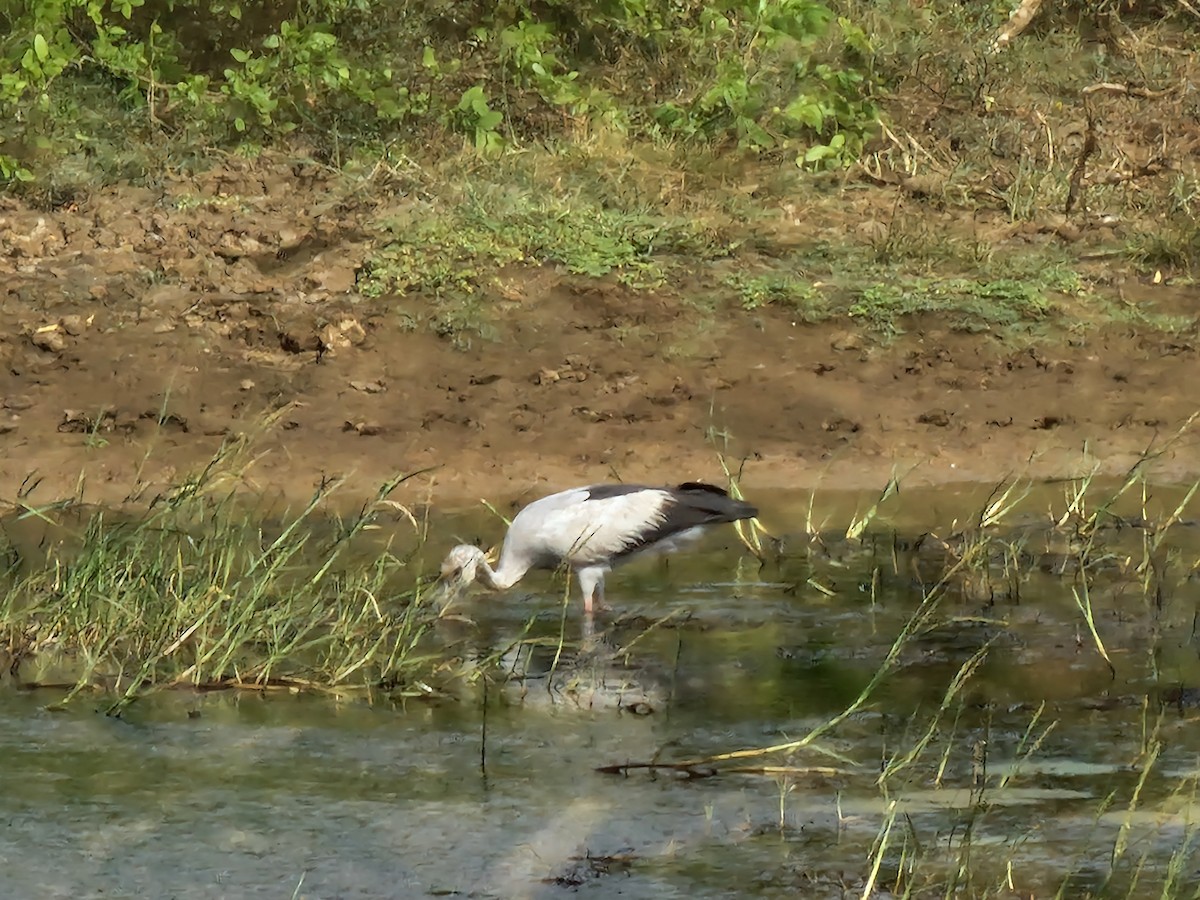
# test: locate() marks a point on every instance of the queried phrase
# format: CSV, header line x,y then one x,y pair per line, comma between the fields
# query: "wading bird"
x,y
592,529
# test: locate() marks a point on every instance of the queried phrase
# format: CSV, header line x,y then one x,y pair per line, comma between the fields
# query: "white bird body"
x,y
594,528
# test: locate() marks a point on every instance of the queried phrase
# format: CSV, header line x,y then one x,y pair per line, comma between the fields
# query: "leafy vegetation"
x,y
761,75
779,290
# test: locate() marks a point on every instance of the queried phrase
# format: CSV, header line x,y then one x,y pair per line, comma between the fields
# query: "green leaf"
x,y
806,112
470,97
40,47
429,58
756,134
240,55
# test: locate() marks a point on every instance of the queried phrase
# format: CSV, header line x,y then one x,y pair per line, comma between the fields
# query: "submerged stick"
x,y
696,770
483,731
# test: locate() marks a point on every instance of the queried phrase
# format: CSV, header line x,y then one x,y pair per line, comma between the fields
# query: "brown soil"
x,y
127,309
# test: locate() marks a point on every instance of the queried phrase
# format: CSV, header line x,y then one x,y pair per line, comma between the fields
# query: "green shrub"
x,y
761,75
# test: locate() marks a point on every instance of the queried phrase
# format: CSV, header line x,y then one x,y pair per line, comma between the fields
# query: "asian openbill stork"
x,y
593,529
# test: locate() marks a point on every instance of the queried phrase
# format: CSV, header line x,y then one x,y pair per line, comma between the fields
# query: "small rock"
x,y
343,333
363,429
839,423
16,404
79,422
299,342
50,340
1046,423
369,387
74,325
336,279
291,238
246,385
936,417
1069,232
929,185
846,340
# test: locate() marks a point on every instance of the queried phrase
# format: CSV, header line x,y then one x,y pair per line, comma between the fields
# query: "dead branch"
x,y
1154,167
1108,87
1017,22
1076,181
689,769
1190,8
696,769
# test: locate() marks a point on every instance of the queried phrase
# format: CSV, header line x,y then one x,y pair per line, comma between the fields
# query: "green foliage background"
x,y
758,74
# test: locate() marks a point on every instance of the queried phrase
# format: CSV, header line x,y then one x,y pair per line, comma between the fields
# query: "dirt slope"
x,y
128,309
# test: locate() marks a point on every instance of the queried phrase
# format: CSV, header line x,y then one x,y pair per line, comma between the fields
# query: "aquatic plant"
x,y
204,589
944,783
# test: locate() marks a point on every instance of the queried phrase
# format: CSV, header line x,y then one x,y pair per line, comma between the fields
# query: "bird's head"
x,y
462,564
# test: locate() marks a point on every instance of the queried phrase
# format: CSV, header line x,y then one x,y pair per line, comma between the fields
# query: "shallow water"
x,y
239,795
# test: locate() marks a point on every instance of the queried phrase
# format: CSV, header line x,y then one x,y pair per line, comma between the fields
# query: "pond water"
x,y
1048,767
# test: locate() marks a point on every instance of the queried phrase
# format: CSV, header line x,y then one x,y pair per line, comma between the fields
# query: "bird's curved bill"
x,y
448,586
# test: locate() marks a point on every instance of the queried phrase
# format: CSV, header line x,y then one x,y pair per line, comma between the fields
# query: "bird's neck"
x,y
507,572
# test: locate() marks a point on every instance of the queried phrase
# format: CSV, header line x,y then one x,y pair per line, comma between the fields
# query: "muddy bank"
x,y
131,327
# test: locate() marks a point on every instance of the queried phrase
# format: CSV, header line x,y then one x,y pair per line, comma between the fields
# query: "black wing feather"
x,y
691,504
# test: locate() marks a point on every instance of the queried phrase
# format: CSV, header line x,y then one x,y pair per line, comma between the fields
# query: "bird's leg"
x,y
591,583
594,599
589,630
598,597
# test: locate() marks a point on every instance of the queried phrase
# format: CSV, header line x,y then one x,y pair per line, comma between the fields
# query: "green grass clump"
x,y
197,591
1174,245
968,305
782,291
452,248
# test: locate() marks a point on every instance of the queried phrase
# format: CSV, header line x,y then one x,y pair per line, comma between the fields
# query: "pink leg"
x,y
591,581
597,598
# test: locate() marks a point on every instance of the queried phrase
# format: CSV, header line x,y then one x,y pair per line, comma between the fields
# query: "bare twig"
x,y
1017,22
696,770
1109,87
1076,181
